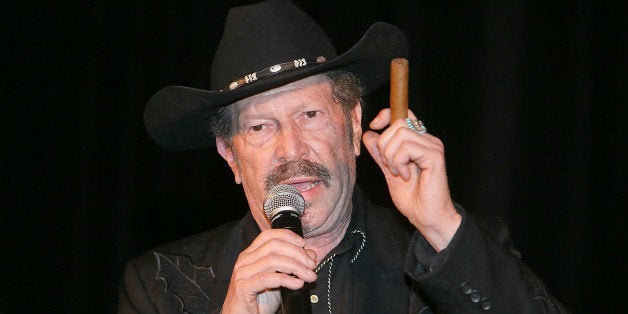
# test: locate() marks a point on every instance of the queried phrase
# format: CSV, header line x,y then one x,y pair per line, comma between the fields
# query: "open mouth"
x,y
305,186
303,175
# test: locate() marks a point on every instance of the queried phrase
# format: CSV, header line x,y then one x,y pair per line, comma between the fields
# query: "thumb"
x,y
312,255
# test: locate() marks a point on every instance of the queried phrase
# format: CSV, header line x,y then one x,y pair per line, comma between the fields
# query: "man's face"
x,y
297,136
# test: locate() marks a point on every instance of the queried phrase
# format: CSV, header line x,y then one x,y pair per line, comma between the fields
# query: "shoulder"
x,y
201,249
387,219
198,245
161,278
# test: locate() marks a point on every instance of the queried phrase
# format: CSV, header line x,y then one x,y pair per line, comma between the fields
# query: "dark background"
x,y
528,97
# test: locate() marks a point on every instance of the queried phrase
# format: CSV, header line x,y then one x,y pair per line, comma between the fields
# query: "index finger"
x,y
280,234
383,119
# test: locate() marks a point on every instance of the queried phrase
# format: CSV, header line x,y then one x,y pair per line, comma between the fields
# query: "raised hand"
x,y
414,167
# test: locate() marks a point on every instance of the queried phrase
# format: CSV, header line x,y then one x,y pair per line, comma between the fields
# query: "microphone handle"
x,y
287,219
292,301
295,301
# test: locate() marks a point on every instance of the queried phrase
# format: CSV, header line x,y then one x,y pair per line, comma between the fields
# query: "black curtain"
x,y
528,97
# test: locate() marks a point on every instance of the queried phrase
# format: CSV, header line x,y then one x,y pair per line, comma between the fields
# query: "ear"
x,y
356,123
225,151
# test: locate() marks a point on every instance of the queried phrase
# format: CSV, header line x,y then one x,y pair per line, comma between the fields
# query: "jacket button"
x,y
466,288
475,296
485,304
314,298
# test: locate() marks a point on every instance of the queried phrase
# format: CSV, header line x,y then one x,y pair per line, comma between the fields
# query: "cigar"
x,y
399,77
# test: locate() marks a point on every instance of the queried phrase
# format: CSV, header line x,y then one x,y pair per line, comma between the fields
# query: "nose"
x,y
291,145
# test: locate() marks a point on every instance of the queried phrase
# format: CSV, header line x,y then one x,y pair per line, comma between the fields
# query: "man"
x,y
286,109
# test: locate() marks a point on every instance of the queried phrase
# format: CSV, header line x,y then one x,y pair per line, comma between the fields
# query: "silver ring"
x,y
416,125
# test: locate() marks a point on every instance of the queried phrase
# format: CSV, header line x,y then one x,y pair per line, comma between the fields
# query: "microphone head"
x,y
283,197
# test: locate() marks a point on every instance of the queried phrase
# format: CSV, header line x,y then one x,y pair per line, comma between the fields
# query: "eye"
x,y
311,114
257,128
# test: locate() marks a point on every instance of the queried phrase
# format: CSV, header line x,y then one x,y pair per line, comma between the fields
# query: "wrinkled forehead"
x,y
270,94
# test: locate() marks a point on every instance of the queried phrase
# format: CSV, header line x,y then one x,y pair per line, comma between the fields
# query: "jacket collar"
x,y
387,231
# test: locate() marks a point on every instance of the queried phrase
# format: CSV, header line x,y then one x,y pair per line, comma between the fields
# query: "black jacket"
x,y
380,266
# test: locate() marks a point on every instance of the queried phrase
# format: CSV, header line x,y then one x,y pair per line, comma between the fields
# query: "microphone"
x,y
284,205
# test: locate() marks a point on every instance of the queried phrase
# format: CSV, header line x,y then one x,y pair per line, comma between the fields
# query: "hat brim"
x,y
176,116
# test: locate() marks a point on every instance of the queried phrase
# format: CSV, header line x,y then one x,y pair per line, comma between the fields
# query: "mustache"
x,y
297,168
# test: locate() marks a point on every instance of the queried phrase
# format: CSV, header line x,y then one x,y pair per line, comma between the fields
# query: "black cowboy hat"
x,y
264,46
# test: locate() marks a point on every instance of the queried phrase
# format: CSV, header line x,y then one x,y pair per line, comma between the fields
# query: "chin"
x,y
307,222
